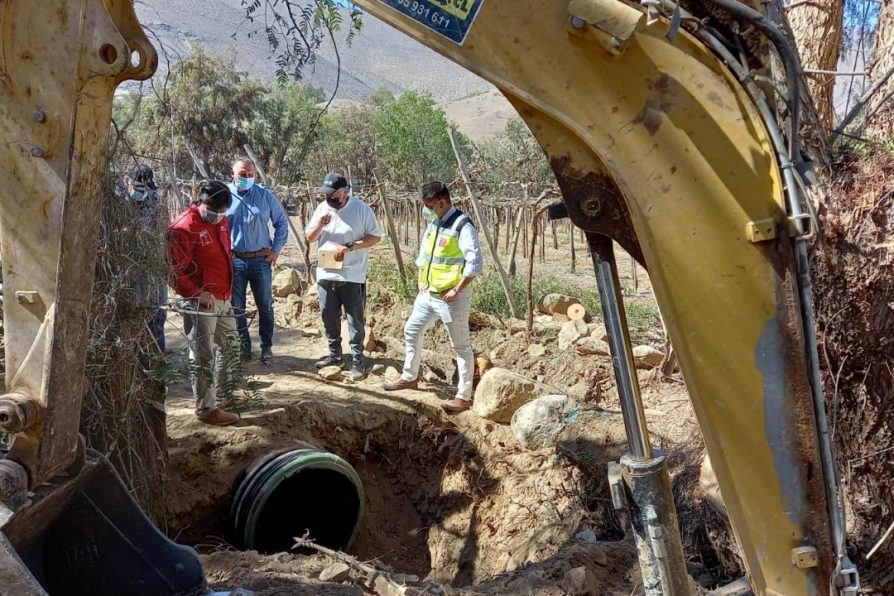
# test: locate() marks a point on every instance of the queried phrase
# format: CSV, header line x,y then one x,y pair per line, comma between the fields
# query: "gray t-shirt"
x,y
349,224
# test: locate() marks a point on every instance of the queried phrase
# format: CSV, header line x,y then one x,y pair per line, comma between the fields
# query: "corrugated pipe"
x,y
302,492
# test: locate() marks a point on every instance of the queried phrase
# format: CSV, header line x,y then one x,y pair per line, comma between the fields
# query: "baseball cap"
x,y
332,182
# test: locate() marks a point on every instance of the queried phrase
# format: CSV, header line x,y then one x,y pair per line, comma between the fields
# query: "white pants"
x,y
455,316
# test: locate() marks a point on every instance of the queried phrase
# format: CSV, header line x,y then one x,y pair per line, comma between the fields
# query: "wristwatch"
x,y
349,245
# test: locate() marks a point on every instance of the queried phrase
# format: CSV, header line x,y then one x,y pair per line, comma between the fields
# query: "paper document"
x,y
327,260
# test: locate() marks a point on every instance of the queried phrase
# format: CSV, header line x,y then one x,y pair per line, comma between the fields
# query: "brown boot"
x,y
218,417
401,384
456,405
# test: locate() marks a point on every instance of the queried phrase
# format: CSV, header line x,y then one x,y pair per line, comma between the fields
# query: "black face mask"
x,y
333,202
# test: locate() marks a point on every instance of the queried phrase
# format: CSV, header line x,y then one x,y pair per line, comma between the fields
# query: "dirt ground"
x,y
455,501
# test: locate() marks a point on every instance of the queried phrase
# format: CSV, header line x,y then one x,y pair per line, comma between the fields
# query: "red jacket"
x,y
201,256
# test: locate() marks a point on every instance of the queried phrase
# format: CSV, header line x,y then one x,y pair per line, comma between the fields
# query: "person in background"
x,y
139,188
199,250
346,228
449,260
250,216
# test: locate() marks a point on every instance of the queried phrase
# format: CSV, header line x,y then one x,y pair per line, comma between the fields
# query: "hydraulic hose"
x,y
789,59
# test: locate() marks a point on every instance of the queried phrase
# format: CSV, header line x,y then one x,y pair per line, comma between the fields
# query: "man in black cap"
x,y
346,228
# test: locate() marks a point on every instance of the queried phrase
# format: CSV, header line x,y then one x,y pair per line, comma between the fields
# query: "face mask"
x,y
428,214
333,202
136,195
244,183
211,217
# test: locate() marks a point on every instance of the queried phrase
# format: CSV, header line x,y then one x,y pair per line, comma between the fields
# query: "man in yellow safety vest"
x,y
449,259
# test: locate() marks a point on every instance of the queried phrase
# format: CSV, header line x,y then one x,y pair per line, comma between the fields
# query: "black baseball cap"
x,y
332,182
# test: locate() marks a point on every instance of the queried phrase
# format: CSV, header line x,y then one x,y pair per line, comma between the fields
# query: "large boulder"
x,y
288,281
646,357
500,393
591,346
556,304
570,333
536,424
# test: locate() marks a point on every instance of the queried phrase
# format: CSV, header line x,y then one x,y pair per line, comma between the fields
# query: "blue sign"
x,y
450,18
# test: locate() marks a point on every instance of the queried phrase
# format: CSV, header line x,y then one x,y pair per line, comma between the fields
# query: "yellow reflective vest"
x,y
443,261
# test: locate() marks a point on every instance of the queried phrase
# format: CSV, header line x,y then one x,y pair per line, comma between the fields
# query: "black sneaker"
x,y
330,361
358,371
266,354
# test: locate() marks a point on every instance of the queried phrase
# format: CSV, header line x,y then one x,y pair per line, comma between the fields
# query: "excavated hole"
x,y
436,505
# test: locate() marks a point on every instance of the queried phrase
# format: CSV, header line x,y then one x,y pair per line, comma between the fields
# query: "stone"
x,y
331,373
580,581
391,373
500,393
556,304
537,423
598,331
377,369
590,346
570,333
288,281
647,357
482,364
336,573
536,350
369,342
311,332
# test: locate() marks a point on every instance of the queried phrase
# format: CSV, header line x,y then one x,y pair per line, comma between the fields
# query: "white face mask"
x,y
428,214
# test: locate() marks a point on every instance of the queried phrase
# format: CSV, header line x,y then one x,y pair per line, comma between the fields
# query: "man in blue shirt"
x,y
254,208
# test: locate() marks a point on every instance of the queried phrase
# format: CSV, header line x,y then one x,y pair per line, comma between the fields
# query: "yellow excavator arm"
x,y
658,140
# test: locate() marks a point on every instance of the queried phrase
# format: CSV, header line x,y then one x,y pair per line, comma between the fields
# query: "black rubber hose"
x,y
789,59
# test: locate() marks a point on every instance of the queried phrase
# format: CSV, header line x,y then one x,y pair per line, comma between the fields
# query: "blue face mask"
x,y
211,217
244,183
136,195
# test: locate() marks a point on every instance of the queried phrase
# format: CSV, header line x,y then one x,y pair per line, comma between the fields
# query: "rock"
x,y
580,581
331,373
480,320
335,573
570,333
311,332
377,369
482,364
598,331
288,281
369,343
646,357
536,350
556,304
587,536
500,393
536,424
391,373
590,346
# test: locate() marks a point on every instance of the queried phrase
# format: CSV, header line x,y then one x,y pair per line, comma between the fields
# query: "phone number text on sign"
x,y
450,18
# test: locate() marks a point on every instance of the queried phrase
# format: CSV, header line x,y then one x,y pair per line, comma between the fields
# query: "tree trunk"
x,y
880,111
816,27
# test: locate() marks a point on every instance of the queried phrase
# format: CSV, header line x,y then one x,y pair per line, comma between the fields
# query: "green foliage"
x,y
413,144
218,109
514,156
380,97
347,143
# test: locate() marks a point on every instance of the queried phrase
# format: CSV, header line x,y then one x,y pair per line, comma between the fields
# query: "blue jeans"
x,y
350,296
257,273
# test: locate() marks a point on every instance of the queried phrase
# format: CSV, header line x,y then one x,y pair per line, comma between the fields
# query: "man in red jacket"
x,y
199,249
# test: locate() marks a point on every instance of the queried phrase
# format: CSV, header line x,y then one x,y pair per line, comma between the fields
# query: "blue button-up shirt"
x,y
250,216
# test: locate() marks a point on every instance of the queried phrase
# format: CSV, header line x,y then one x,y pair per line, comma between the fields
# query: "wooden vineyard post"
x,y
490,241
392,232
573,255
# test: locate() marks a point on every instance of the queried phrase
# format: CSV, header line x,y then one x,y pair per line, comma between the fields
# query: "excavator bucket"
x,y
69,524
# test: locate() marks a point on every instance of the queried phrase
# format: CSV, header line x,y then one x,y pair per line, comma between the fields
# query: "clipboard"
x,y
327,260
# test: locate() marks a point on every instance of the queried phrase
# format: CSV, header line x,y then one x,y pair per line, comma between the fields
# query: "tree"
x,y
514,156
348,144
817,28
413,143
380,97
880,110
